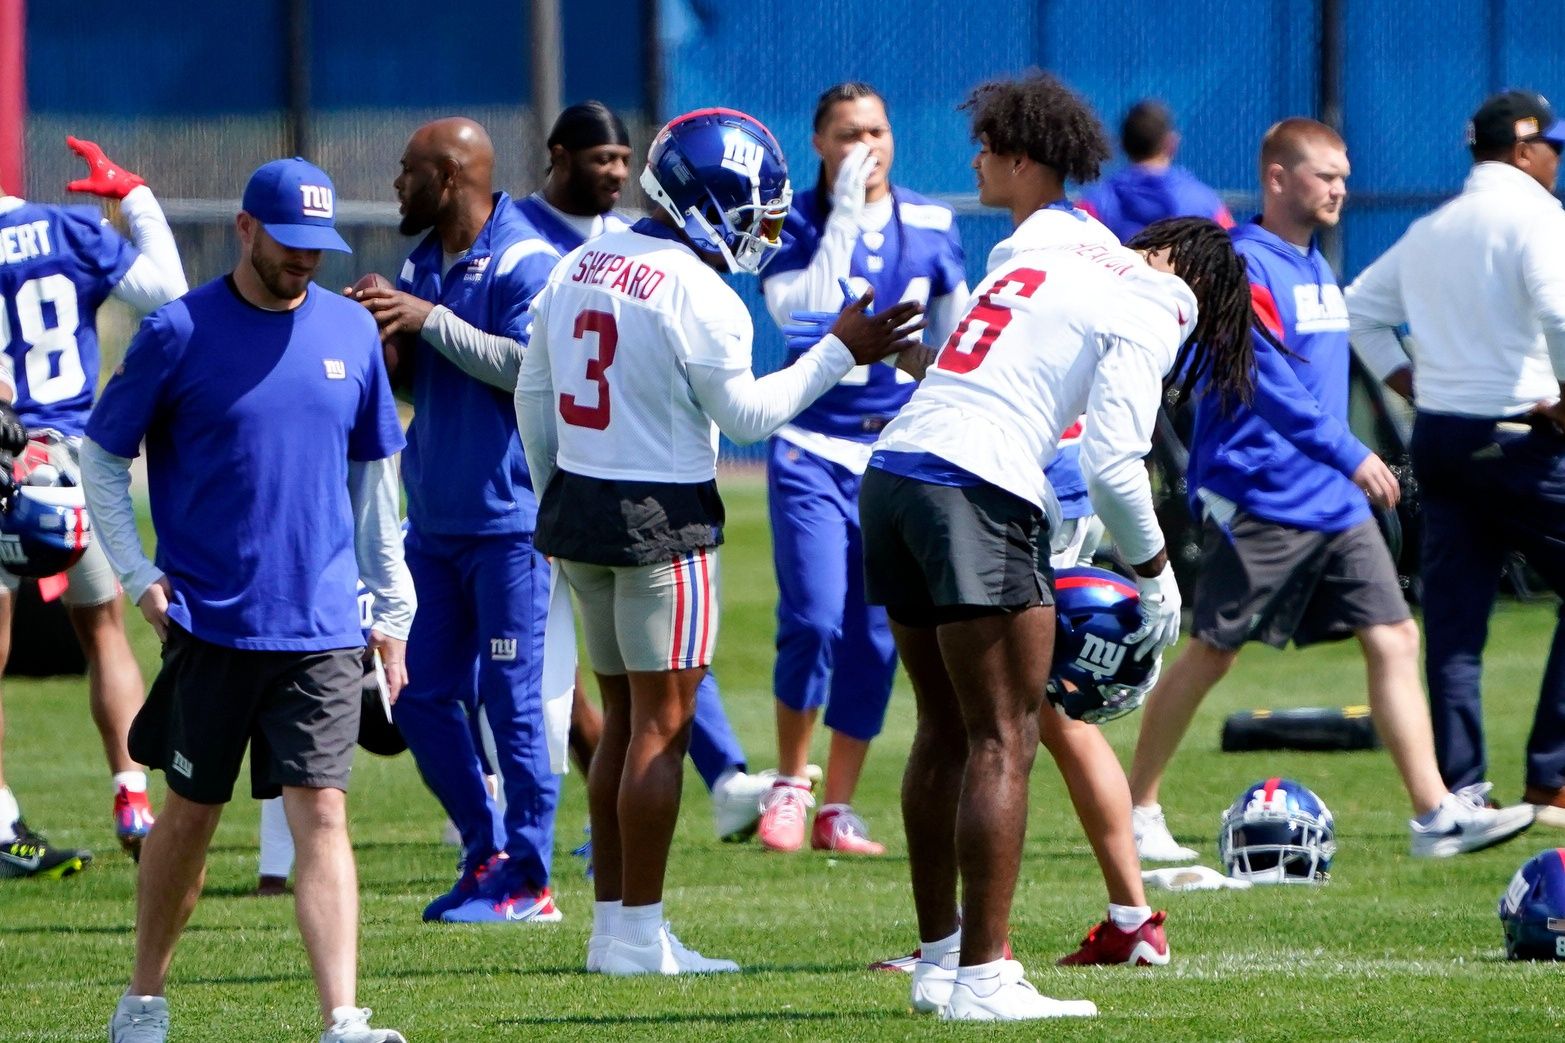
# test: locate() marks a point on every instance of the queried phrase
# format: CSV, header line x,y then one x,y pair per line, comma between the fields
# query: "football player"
x,y
833,649
957,504
640,354
57,267
1290,550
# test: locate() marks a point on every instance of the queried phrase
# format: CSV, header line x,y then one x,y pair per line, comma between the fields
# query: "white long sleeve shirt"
x,y
1481,285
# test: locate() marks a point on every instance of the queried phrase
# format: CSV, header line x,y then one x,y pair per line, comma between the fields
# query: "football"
x,y
372,281
398,350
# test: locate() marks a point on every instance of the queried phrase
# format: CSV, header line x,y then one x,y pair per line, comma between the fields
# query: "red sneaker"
x,y
784,809
132,819
905,964
839,830
1146,946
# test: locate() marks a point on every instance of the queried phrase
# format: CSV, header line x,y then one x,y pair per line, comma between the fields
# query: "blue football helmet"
x,y
721,176
1278,832
44,529
1096,676
1532,910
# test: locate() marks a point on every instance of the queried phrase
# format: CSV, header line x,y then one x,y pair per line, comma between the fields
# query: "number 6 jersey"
x,y
1053,333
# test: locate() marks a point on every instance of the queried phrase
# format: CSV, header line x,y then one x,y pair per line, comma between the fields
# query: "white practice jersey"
x,y
1052,333
620,320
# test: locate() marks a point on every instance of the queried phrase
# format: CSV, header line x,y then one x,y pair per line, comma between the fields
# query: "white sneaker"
x,y
736,803
932,984
1013,999
139,1019
352,1025
597,945
1154,843
1463,823
692,962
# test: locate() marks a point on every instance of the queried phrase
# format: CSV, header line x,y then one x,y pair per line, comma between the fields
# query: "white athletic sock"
x,y
605,917
794,780
135,781
640,924
10,811
945,951
1129,917
276,840
982,978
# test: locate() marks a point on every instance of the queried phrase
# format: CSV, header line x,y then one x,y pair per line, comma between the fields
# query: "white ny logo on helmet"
x,y
743,156
1099,657
317,200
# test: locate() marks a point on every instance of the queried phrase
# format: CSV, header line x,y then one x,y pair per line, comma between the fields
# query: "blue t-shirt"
x,y
464,468
1132,197
1288,455
250,418
57,267
917,256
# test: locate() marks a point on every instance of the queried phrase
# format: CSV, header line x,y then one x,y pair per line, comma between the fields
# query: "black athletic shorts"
x,y
1261,581
938,554
298,712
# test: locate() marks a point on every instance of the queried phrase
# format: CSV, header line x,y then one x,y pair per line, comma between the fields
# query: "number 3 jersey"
x,y
1052,333
615,329
57,267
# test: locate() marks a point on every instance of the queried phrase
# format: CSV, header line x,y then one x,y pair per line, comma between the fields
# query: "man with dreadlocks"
x,y
955,503
1289,547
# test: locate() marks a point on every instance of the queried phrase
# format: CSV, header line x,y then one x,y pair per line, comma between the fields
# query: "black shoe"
x,y
29,854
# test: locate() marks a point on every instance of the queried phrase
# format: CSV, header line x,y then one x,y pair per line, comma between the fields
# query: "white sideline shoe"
x,y
139,1019
666,955
1463,823
1154,843
932,985
1014,999
597,945
352,1025
736,803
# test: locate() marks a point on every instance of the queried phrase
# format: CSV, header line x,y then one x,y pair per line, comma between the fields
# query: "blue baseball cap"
x,y
295,202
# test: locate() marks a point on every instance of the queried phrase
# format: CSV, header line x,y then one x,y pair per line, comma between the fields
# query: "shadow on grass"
x,y
728,1018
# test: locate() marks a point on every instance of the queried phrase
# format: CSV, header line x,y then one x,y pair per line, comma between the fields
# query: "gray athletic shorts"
x,y
937,554
1261,581
297,712
648,617
91,580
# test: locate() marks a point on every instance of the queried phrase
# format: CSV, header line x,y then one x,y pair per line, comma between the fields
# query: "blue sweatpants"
x,y
833,649
477,641
714,748
1487,489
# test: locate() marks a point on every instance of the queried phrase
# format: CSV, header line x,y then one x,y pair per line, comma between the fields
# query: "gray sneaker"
x,y
352,1025
139,1019
1464,822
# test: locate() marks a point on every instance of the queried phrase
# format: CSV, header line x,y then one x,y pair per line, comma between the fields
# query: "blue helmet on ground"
x,y
1278,832
1532,910
1096,677
720,175
44,529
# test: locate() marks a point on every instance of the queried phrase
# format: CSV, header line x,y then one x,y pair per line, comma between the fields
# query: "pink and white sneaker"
x,y
838,829
784,809
1146,946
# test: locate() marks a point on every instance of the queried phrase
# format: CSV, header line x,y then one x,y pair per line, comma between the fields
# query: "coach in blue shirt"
x,y
270,428
463,293
1150,186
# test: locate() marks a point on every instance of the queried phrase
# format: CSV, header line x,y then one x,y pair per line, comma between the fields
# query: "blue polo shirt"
x,y
464,468
250,418
57,267
916,256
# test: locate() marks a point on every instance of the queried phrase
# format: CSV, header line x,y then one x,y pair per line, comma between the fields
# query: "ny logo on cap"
x,y
316,200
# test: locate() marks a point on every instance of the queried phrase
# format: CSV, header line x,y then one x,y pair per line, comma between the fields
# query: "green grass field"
x,y
1392,949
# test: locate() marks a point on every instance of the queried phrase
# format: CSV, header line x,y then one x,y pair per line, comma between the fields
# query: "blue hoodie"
x,y
1132,197
1288,456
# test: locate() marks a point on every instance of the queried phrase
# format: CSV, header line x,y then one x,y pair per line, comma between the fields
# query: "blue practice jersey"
x,y
1132,197
916,257
464,468
57,267
250,419
1288,455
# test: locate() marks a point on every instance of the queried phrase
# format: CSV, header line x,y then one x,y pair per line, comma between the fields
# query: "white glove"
x,y
1160,607
1191,878
847,195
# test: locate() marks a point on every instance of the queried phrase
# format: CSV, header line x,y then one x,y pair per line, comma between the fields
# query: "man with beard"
x,y
271,435
463,292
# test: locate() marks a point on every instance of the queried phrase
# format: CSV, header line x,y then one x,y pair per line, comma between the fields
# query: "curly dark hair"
x,y
1220,349
1041,117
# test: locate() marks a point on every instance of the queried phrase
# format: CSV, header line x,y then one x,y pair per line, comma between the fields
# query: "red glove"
x,y
104,177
